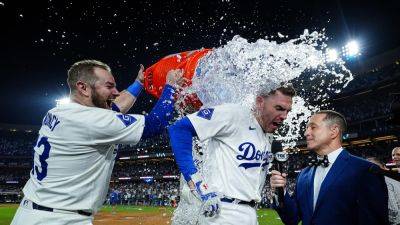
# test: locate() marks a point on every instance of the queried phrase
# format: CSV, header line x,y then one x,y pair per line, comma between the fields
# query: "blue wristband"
x,y
135,88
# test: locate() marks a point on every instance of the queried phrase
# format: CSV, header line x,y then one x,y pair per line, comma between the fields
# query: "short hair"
x,y
286,89
333,117
395,149
84,70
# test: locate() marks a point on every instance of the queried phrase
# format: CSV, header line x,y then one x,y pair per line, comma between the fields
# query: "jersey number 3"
x,y
40,175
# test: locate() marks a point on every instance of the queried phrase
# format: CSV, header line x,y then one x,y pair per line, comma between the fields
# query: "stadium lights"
x,y
331,55
351,49
62,101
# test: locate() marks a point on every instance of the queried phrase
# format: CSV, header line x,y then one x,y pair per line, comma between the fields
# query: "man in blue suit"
x,y
338,189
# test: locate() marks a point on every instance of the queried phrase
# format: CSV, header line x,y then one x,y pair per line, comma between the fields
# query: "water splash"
x,y
235,72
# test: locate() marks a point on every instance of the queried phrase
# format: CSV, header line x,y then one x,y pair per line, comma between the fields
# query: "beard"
x,y
98,101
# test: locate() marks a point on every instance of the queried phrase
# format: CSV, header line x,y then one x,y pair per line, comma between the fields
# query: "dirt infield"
x,y
133,218
138,215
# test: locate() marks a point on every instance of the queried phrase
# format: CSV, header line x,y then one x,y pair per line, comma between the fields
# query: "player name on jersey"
x,y
51,121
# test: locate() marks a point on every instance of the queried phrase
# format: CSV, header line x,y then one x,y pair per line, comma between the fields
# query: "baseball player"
x,y
74,155
239,143
114,200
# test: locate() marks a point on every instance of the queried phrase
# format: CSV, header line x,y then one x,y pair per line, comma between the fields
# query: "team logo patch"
x,y
126,119
206,113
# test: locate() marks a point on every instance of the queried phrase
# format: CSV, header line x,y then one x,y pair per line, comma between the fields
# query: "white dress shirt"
x,y
321,173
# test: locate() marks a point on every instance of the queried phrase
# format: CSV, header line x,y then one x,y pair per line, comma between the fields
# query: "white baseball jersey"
x,y
74,155
238,150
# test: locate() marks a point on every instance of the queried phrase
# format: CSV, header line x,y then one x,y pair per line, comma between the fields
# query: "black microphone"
x,y
280,157
387,173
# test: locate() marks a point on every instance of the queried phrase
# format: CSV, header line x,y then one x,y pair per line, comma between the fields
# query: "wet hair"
x,y
286,89
84,71
333,117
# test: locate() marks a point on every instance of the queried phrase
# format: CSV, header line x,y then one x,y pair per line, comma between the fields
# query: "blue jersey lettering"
x,y
51,121
254,157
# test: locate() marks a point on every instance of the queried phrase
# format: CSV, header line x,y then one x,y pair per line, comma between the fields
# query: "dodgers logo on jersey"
x,y
254,157
126,119
206,113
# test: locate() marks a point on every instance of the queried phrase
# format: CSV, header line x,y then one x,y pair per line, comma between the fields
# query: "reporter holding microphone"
x,y
337,187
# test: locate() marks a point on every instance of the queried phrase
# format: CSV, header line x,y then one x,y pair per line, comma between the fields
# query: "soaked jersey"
x,y
238,150
74,155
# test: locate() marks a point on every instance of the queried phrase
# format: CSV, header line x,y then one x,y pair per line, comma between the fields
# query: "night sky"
x,y
40,40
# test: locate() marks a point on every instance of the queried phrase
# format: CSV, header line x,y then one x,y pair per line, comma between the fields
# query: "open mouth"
x,y
109,102
276,124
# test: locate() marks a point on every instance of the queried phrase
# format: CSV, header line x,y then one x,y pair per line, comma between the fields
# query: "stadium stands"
x,y
145,174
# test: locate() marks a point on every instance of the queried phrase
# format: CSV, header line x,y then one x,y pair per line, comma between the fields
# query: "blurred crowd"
x,y
12,175
373,77
367,111
157,191
16,143
152,192
365,102
145,168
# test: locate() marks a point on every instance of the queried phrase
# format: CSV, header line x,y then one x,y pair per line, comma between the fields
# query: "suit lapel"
x,y
310,188
337,168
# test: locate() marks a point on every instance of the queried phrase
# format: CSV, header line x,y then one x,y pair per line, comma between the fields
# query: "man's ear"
x,y
83,88
259,102
335,131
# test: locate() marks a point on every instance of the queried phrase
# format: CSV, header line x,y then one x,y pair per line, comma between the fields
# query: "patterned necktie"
x,y
316,160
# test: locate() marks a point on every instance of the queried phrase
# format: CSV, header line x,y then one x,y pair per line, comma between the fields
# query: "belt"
x,y
44,208
252,203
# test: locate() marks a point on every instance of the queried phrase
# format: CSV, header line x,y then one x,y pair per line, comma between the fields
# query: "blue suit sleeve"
x,y
372,199
290,213
160,115
181,137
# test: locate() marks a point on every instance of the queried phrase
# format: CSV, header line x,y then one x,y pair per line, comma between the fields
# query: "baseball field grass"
x,y
144,215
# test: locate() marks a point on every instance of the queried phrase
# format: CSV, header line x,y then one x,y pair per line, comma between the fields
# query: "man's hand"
x,y
140,76
175,78
211,200
277,179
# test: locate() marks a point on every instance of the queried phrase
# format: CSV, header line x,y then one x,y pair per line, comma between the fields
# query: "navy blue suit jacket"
x,y
349,195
